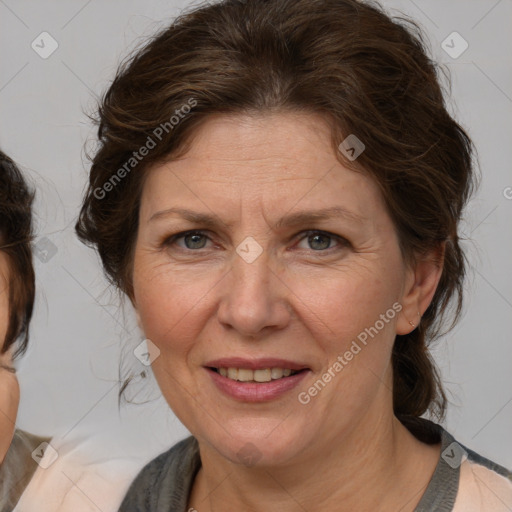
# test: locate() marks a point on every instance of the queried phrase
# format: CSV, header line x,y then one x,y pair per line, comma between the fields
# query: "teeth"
x,y
262,375
247,375
276,373
243,374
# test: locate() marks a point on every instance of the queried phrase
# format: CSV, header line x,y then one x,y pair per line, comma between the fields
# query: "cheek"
x,y
169,303
342,304
344,319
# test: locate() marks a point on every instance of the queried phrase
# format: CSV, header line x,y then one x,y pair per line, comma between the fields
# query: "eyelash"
x,y
343,243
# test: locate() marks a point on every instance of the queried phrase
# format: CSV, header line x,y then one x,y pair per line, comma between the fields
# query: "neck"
x,y
379,465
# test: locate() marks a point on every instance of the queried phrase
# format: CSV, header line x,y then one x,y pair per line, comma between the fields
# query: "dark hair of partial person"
x,y
15,242
366,72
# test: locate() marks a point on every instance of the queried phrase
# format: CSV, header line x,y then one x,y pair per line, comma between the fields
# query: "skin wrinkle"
x,y
287,304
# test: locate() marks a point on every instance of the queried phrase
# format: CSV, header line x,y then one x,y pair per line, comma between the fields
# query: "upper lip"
x,y
255,364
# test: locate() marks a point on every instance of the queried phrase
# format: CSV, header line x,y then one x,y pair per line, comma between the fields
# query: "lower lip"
x,y
256,391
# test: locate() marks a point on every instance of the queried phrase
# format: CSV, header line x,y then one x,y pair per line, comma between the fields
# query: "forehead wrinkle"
x,y
301,217
233,180
240,157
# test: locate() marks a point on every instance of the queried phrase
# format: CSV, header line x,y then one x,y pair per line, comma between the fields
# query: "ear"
x,y
420,285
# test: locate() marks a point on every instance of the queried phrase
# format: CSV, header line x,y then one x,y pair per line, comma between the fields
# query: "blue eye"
x,y
194,238
321,241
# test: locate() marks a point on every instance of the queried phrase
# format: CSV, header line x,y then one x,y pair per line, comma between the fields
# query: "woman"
x,y
277,190
17,288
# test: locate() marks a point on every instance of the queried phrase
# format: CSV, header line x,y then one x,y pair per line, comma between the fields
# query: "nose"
x,y
254,299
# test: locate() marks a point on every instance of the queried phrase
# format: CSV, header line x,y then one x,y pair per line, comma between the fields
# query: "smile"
x,y
248,375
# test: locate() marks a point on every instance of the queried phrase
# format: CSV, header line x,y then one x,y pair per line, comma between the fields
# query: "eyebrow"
x,y
291,220
334,212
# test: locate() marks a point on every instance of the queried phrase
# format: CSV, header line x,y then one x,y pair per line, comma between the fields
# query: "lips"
x,y
255,391
233,376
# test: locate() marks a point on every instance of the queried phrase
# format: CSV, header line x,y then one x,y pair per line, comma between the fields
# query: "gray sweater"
x,y
17,468
164,484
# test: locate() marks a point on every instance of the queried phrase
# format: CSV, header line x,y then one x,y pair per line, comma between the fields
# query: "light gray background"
x,y
69,376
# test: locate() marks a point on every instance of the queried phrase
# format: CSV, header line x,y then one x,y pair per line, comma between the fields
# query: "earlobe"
x,y
421,285
414,325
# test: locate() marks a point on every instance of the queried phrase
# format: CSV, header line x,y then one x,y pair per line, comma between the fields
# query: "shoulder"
x,y
26,442
484,485
164,483
463,480
19,466
20,459
74,472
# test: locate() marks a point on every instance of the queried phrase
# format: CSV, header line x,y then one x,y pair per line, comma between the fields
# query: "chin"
x,y
266,445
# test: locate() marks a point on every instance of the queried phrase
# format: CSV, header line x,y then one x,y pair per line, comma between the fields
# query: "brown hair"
x,y
367,73
15,239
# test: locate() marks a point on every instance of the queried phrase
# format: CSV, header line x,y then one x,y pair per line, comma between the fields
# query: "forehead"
x,y
261,145
268,160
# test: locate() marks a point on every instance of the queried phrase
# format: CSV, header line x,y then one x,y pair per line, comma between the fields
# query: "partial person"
x,y
17,290
43,474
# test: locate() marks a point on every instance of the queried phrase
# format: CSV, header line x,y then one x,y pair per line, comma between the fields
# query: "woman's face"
x,y
254,285
9,387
